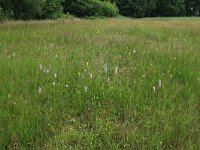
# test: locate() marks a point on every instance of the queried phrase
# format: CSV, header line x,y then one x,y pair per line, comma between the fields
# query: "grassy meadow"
x,y
100,84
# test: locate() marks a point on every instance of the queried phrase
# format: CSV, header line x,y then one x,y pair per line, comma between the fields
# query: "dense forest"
x,y
52,9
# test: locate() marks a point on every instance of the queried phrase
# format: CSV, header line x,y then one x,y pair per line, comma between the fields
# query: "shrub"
x,y
52,9
6,10
2,14
26,9
132,8
83,8
67,16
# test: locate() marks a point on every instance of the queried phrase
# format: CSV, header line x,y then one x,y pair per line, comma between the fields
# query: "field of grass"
x,y
100,84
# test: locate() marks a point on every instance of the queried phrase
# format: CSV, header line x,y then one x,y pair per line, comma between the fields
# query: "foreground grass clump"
x,y
107,84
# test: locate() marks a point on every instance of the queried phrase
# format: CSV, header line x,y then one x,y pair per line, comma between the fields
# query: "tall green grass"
x,y
107,84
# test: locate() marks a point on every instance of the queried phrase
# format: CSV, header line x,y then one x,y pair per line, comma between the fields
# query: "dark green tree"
x,y
26,9
132,8
192,7
170,8
42,9
83,8
6,9
52,9
150,8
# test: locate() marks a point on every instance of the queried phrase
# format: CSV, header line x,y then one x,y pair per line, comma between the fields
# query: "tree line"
x,y
52,9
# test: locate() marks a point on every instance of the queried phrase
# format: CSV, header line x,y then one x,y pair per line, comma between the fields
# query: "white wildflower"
x,y
55,75
56,56
66,85
54,83
105,68
108,79
47,71
159,83
116,70
40,67
134,51
85,88
90,75
154,89
40,90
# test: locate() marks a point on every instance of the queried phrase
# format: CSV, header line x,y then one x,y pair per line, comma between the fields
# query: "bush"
x,y
83,8
52,9
26,9
6,10
67,16
2,14
132,8
106,8
166,8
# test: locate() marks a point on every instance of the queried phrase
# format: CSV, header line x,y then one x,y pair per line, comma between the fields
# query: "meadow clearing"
x,y
100,84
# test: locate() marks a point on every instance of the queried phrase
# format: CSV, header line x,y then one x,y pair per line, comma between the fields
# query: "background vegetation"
x,y
52,9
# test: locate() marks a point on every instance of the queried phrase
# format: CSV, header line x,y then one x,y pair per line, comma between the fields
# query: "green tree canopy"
x,y
82,8
52,9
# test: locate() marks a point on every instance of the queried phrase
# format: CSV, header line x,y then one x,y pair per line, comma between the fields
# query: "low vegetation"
x,y
100,84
